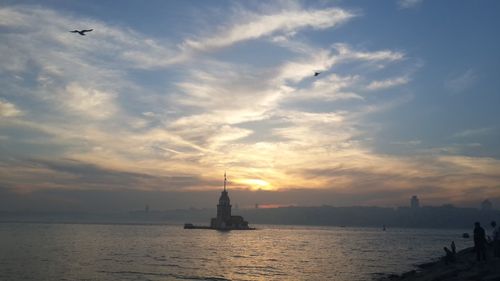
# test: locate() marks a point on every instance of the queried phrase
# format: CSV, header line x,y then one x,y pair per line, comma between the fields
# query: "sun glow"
x,y
257,184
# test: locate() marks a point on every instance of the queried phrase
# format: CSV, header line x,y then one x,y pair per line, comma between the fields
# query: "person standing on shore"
x,y
496,242
491,237
479,242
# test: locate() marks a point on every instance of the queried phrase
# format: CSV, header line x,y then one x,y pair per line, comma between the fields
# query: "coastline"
x,y
464,268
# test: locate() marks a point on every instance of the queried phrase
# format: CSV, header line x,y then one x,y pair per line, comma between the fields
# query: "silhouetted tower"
x,y
224,206
414,202
486,205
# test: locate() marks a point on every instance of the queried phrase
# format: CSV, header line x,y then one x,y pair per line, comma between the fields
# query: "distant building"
x,y
414,202
486,205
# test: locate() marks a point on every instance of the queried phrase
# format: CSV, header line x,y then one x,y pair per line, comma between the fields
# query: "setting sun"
x,y
256,184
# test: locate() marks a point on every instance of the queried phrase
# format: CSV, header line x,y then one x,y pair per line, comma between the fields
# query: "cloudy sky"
x,y
162,97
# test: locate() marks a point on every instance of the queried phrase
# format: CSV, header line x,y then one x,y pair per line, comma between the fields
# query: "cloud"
x,y
407,143
330,88
476,166
452,175
31,27
389,83
257,26
347,53
89,102
474,132
227,134
77,175
8,109
96,127
323,60
462,82
125,115
406,4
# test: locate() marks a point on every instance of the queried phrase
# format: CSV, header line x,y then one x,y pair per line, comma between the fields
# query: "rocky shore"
x,y
464,268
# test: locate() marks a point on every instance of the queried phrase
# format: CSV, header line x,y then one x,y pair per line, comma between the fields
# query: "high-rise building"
x,y
414,202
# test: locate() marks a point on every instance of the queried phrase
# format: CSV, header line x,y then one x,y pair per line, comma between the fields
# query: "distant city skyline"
x,y
160,98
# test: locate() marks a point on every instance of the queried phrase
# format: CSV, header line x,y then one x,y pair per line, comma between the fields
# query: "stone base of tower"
x,y
220,227
235,222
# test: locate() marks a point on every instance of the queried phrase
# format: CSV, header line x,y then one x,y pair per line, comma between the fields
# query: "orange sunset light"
x,y
256,184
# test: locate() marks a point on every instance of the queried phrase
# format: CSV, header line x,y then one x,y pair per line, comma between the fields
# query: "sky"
x,y
163,97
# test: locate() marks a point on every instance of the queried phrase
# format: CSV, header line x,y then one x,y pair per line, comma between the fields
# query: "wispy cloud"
x,y
287,22
8,109
462,82
37,27
408,143
406,4
346,53
324,60
474,132
389,83
90,102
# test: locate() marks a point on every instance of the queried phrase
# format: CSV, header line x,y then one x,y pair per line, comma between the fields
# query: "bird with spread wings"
x,y
81,32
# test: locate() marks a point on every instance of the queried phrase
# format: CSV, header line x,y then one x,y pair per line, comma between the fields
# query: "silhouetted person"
x,y
81,32
453,247
496,241
479,242
450,255
493,227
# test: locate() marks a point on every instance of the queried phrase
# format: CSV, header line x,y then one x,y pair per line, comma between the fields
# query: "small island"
x,y
224,220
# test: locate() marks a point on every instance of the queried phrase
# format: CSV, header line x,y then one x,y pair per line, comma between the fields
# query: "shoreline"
x,y
464,268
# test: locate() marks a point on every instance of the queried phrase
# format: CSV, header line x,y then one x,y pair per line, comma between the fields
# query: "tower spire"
x,y
225,180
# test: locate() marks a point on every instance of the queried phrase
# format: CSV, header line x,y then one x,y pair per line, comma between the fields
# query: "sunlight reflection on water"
x,y
160,252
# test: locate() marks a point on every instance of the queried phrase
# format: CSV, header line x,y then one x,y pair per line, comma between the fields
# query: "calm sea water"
x,y
168,252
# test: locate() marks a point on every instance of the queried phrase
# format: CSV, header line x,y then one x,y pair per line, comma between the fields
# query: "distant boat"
x,y
192,226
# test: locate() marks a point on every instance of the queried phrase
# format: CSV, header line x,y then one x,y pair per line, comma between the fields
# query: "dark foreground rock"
x,y
464,268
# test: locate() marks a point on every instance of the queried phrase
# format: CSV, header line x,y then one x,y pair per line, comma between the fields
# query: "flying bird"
x,y
81,32
316,73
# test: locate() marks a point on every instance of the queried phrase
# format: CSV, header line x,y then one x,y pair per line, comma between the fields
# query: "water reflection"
x,y
137,252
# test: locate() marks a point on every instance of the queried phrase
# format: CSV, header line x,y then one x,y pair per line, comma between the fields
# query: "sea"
x,y
51,251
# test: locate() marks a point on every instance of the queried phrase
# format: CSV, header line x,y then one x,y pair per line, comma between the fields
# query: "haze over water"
x,y
158,252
